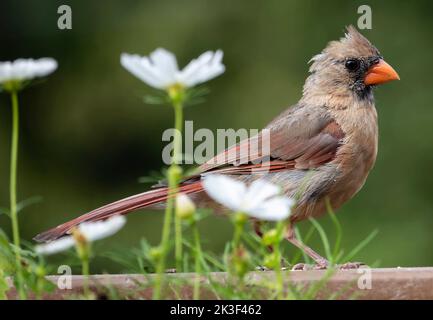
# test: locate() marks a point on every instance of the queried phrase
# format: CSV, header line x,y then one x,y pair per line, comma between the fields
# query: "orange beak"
x,y
380,73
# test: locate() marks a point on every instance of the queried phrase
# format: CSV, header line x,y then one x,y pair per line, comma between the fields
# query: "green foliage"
x,y
253,252
22,205
247,258
33,269
7,258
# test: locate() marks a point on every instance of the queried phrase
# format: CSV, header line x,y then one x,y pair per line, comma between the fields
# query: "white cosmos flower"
x,y
261,200
26,69
160,69
91,231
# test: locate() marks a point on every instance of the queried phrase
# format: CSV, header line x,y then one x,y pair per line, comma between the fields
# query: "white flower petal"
x,y
275,209
227,191
142,69
56,246
90,230
207,66
191,70
166,63
259,191
213,69
26,69
161,70
102,229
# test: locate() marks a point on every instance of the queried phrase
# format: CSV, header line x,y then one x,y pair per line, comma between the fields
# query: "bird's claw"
x,y
305,267
351,265
302,267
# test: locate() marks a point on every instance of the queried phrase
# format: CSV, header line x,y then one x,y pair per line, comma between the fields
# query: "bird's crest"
x,y
353,44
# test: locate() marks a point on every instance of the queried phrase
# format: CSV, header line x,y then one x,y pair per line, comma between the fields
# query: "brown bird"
x,y
321,148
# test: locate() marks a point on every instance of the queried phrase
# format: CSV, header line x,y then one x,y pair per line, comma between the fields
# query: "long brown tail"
x,y
122,207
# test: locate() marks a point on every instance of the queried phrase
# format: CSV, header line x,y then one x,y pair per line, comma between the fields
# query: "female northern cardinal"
x,y
321,148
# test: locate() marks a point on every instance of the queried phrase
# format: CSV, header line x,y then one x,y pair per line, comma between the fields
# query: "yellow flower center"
x,y
176,92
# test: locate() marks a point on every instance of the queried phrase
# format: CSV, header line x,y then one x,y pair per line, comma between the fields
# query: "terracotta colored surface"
x,y
387,283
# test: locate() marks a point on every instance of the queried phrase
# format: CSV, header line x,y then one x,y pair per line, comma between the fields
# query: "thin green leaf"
x,y
360,246
314,288
28,202
156,99
4,211
206,256
153,177
324,239
195,96
338,230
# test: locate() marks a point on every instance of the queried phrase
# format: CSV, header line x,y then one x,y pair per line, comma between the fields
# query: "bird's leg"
x,y
321,262
257,228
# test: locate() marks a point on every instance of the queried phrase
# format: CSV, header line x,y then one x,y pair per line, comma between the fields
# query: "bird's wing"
x,y
301,138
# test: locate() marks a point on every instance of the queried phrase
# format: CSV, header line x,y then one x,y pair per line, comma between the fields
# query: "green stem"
x,y
173,177
178,109
178,243
278,273
239,221
198,259
39,287
83,252
278,267
13,192
85,270
178,125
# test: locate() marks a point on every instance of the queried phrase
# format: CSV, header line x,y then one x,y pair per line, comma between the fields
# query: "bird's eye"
x,y
352,64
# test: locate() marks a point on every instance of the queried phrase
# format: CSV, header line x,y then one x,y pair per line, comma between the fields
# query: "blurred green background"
x,y
86,135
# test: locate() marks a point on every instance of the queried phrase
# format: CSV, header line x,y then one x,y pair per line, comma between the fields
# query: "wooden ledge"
x,y
366,284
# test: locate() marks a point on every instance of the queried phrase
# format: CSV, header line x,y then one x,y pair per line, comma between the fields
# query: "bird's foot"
x,y
321,264
302,267
351,265
305,266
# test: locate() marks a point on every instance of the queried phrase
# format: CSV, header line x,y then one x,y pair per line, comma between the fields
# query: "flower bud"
x,y
185,208
155,253
40,271
270,237
175,171
271,260
240,218
176,93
